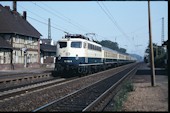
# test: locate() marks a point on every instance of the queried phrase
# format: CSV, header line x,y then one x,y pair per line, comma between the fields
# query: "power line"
x,y
142,27
47,24
58,16
55,10
68,19
56,27
32,12
47,19
105,12
49,11
113,21
40,16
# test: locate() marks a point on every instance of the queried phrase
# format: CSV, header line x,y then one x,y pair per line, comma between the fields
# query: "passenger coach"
x,y
76,53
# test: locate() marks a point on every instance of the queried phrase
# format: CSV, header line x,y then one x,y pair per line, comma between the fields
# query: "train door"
x,y
86,52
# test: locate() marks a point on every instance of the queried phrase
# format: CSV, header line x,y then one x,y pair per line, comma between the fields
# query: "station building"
x,y
47,53
19,40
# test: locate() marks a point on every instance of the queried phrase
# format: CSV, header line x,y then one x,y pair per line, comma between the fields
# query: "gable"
x,y
13,22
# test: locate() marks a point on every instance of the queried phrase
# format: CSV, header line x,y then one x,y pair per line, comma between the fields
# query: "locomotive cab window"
x,y
84,45
76,44
62,44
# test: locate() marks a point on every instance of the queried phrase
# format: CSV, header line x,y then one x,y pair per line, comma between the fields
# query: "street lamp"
x,y
25,56
25,49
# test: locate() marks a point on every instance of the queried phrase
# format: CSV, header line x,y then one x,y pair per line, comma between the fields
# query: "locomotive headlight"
x,y
77,57
67,53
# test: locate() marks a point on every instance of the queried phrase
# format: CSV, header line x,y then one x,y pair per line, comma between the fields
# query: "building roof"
x,y
165,43
4,44
13,22
47,48
46,41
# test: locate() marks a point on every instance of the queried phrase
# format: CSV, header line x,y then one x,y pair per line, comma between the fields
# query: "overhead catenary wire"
x,y
47,20
65,19
32,12
133,32
75,23
82,27
41,17
68,20
49,11
109,15
105,12
47,24
113,21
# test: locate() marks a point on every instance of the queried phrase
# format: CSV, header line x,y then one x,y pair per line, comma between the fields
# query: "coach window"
x,y
76,44
89,46
100,48
62,44
92,46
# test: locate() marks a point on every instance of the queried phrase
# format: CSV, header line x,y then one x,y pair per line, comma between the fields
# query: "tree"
x,y
159,55
112,45
122,50
158,50
109,44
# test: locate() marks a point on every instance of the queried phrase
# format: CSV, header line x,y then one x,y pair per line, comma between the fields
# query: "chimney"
x,y
14,6
24,15
7,7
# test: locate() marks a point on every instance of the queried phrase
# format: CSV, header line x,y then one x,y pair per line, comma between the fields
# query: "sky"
x,y
124,22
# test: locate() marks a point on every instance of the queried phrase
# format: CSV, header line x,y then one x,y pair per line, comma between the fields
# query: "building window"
x,y
62,44
17,39
30,40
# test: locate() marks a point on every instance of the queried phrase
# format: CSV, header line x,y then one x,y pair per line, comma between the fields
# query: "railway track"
x,y
13,81
28,88
103,101
41,96
16,91
87,98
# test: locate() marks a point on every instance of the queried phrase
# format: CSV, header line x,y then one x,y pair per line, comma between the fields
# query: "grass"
x,y
122,95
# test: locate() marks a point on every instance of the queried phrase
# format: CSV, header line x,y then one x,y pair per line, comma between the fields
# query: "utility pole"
x,y
162,30
162,38
151,48
49,29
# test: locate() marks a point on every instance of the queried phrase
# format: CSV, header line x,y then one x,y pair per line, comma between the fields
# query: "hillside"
x,y
138,57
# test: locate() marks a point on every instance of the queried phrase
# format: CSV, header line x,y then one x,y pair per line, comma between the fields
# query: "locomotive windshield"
x,y
62,44
76,44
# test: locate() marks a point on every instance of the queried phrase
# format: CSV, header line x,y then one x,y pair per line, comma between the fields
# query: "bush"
x,y
122,95
160,61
